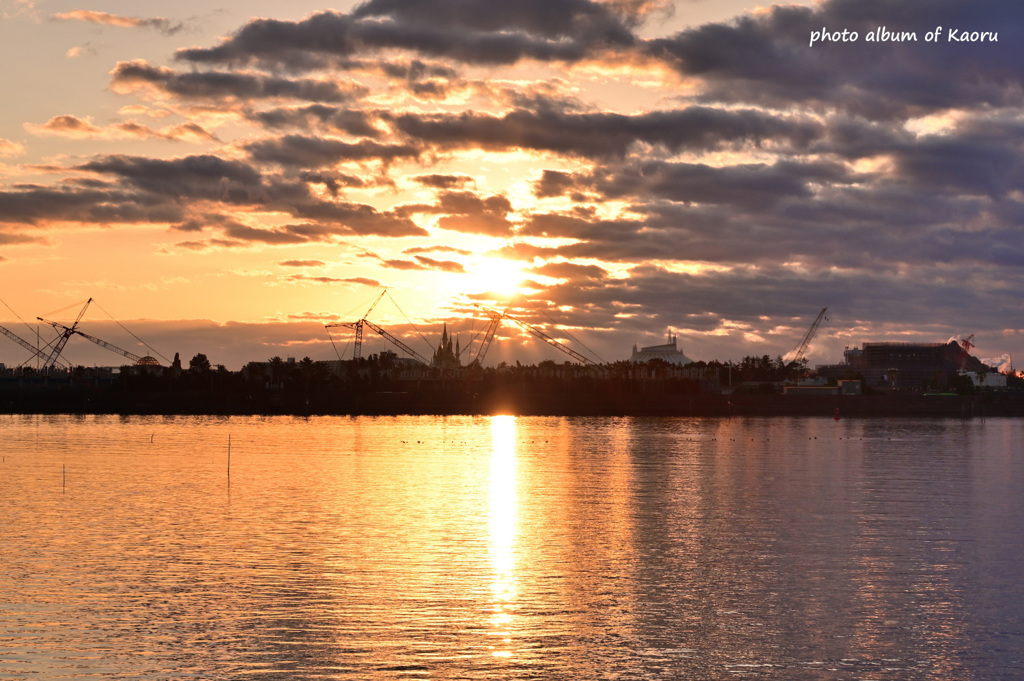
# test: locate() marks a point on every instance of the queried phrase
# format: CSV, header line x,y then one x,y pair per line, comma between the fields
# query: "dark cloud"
x,y
561,226
334,182
36,205
743,185
177,191
581,19
466,212
475,32
219,85
440,265
608,134
767,58
210,178
319,116
202,176
444,181
413,70
572,272
267,236
965,163
554,183
317,152
301,263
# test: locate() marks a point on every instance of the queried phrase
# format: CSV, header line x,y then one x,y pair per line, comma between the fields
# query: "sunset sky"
x,y
228,177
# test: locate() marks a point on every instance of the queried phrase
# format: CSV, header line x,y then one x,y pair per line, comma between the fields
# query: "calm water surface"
x,y
510,548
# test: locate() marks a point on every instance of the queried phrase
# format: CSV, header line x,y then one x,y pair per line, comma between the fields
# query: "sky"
x,y
228,178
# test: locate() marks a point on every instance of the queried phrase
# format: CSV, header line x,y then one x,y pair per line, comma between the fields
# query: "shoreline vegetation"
x,y
386,386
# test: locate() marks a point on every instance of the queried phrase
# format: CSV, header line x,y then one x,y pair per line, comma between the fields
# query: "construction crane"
x,y
798,353
397,342
36,352
139,360
492,328
496,318
68,331
357,326
966,344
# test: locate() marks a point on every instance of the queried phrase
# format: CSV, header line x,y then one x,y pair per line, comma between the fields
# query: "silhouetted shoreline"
x,y
540,396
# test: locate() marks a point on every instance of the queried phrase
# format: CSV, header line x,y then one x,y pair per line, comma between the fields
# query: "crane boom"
x,y
382,293
397,342
110,346
492,328
70,331
498,316
548,339
965,352
65,335
358,327
798,354
358,352
36,352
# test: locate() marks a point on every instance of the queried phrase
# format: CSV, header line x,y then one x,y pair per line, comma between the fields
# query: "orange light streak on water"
x,y
502,527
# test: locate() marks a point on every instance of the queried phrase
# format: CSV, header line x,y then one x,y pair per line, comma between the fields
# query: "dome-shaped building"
x,y
668,352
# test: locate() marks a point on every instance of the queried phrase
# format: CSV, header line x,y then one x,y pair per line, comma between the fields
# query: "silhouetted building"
x,y
446,356
667,352
907,366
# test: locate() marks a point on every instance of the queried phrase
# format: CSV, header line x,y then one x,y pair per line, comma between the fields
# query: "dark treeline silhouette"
x,y
387,384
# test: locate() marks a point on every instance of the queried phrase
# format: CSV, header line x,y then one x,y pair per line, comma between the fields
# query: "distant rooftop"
x,y
668,352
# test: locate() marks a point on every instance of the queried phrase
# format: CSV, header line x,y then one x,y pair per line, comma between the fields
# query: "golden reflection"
x,y
502,527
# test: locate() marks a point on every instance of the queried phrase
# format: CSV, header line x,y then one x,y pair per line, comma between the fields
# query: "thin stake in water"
x,y
229,458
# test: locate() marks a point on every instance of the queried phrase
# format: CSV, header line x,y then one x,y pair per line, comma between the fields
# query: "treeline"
x,y
381,383
387,384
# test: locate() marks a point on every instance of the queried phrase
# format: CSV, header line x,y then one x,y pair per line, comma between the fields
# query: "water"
x,y
510,548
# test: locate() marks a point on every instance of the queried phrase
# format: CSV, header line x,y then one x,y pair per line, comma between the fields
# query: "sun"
x,y
499,276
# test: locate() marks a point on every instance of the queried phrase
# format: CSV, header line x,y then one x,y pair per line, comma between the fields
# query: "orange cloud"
x,y
83,128
105,18
9,148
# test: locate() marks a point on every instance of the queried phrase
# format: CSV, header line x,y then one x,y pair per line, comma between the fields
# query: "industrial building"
x,y
905,366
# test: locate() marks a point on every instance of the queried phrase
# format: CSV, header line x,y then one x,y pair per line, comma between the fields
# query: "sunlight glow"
x,y
497,275
502,523
941,123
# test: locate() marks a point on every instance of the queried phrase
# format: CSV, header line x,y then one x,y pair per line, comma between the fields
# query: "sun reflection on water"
x,y
502,526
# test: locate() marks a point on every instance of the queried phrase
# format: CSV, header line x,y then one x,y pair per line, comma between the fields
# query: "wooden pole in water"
x,y
63,477
229,458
